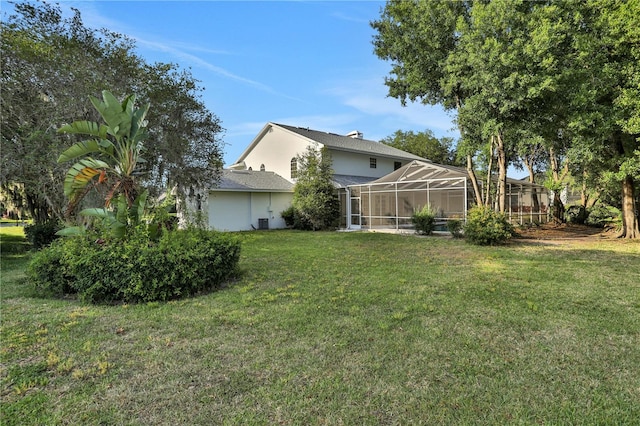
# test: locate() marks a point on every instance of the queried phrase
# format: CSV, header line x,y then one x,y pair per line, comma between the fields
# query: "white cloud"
x,y
369,96
175,49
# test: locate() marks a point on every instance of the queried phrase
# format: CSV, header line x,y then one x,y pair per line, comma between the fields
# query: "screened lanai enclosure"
x,y
389,202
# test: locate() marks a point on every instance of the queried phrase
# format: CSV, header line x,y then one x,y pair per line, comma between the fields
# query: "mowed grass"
x,y
345,328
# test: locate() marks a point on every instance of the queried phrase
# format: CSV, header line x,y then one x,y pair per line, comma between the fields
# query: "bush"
x,y
487,227
575,214
41,234
289,216
295,219
179,264
455,227
51,268
601,215
424,220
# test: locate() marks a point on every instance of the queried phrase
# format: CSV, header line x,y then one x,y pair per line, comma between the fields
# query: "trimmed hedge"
x,y
179,264
485,226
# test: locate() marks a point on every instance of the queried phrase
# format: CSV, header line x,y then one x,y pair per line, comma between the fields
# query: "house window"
x,y
262,167
373,163
397,165
294,168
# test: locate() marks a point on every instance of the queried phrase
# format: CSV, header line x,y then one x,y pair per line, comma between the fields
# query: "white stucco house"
x,y
378,186
259,185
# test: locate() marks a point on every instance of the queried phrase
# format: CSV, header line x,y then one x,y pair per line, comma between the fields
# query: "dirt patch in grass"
x,y
550,232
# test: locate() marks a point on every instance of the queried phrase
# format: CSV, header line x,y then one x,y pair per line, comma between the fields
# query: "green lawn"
x,y
343,328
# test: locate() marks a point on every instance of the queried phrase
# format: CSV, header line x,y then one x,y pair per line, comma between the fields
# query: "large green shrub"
x,y
424,220
52,268
135,269
485,226
601,215
315,201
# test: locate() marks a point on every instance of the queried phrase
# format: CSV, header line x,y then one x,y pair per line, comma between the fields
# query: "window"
x,y
397,165
294,168
373,163
262,167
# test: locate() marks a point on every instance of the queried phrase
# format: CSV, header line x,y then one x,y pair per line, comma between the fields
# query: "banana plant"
x,y
117,220
110,155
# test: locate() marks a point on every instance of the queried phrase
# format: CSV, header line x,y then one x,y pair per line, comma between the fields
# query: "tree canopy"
x,y
525,78
50,64
423,144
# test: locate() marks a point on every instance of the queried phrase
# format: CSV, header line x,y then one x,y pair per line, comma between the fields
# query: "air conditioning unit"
x,y
263,223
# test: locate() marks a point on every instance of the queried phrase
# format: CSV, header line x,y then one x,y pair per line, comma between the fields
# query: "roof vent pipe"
x,y
355,134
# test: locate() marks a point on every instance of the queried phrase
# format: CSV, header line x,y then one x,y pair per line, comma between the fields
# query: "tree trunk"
x,y
487,198
502,173
558,205
534,194
472,174
587,200
474,180
629,217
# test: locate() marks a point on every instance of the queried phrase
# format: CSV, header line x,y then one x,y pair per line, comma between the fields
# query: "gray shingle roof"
x,y
251,180
347,143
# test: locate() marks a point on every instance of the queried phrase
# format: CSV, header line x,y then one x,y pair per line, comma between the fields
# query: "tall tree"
x,y
420,38
49,65
315,199
604,106
423,144
184,144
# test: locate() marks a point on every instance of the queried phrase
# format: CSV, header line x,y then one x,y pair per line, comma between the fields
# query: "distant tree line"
x,y
50,64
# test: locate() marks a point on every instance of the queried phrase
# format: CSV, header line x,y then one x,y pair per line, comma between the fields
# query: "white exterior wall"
x,y
352,164
275,150
237,211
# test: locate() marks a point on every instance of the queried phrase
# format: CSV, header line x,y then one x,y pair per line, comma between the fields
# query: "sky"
x,y
300,63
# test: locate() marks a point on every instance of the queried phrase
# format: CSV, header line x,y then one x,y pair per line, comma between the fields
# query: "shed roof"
x,y
252,180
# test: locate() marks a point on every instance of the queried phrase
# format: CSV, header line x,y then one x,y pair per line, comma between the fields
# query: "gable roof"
x,y
336,142
350,144
252,181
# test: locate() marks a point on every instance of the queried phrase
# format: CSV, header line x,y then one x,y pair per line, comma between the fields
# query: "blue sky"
x,y
307,64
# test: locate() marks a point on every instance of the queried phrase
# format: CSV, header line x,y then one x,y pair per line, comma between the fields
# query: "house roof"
x,y
350,144
253,181
336,142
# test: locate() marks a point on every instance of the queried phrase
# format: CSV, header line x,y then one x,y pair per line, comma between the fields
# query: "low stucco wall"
x,y
242,211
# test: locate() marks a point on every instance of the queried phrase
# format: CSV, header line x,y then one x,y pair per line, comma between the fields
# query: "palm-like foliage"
x,y
111,154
